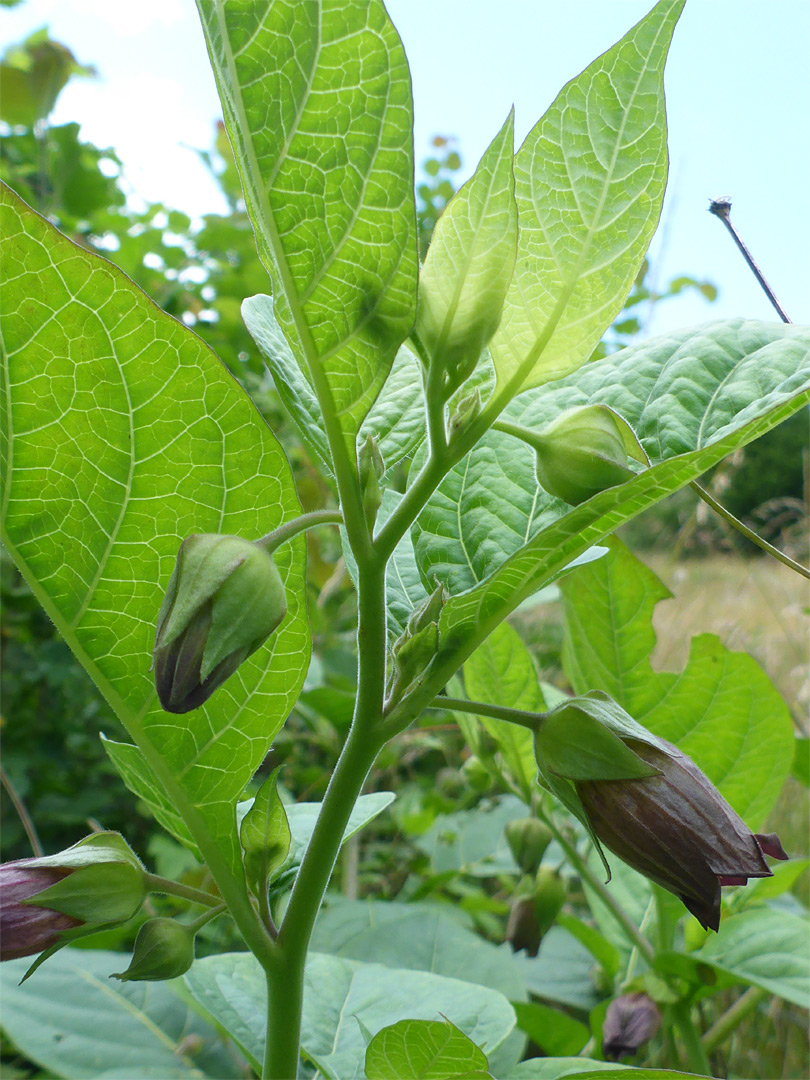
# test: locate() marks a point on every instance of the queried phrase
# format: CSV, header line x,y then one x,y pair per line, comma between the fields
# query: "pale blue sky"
x,y
738,92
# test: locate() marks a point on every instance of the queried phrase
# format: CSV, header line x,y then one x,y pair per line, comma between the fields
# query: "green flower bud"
x,y
582,452
415,648
224,599
534,910
164,949
371,469
528,839
52,900
476,774
465,411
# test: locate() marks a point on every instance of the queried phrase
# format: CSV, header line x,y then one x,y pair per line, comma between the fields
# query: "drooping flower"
x,y
630,1020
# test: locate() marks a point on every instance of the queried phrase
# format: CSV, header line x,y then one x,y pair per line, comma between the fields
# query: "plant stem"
x,y
749,534
292,528
155,883
497,712
206,917
721,208
605,895
285,967
22,813
725,1024
695,1054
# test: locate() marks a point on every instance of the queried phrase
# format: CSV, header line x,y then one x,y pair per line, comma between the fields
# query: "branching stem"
x,y
157,884
298,525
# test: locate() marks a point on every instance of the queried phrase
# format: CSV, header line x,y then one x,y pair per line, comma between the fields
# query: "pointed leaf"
x,y
125,434
424,1050
589,183
317,104
469,264
265,835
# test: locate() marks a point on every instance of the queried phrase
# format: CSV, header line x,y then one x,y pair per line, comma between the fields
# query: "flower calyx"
x,y
648,803
418,644
224,599
53,900
371,469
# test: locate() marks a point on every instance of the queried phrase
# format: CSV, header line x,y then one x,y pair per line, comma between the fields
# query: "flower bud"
x,y
371,469
528,839
476,774
164,949
630,1020
52,900
534,909
584,451
417,645
224,599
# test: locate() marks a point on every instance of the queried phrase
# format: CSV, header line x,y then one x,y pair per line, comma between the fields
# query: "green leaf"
x,y
801,761
419,937
317,104
125,434
722,710
397,417
561,971
785,875
264,834
743,378
633,1074
76,1023
764,366
551,1029
555,1068
301,818
766,948
424,1050
473,841
597,945
501,670
339,996
589,183
469,264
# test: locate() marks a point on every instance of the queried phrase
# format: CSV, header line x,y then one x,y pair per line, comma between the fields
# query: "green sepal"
x,y
67,937
573,744
265,835
96,848
112,890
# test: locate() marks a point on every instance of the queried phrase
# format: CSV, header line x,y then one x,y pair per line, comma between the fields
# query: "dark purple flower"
x,y
24,928
630,1020
678,830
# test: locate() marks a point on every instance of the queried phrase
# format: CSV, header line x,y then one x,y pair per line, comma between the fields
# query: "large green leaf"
x,y
74,1022
759,375
562,971
473,841
424,1050
317,103
501,670
589,183
343,1000
419,937
721,710
766,948
709,389
555,1068
122,434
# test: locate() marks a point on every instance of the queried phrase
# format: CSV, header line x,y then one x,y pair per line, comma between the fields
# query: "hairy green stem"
x,y
155,883
749,534
298,525
696,1056
206,917
725,1024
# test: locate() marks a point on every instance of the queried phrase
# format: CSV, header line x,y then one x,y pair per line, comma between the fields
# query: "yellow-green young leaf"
x,y
265,835
589,183
469,264
317,102
424,1050
722,709
122,433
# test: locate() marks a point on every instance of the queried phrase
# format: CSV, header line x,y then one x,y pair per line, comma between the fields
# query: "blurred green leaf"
x,y
424,1050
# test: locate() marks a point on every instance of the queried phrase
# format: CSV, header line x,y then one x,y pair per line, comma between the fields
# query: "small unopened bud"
x,y
417,645
464,413
164,949
534,909
630,1020
528,839
224,599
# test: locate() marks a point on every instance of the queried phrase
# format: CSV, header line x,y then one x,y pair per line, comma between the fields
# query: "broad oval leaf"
x,y
589,183
74,1022
424,1050
317,103
124,434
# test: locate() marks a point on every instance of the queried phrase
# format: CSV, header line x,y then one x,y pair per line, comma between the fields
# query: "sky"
x,y
738,96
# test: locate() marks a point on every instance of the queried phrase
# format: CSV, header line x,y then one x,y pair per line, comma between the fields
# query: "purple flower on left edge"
x,y
26,930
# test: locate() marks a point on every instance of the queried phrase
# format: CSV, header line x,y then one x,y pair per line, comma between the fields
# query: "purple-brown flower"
x,y
630,1020
677,829
25,929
